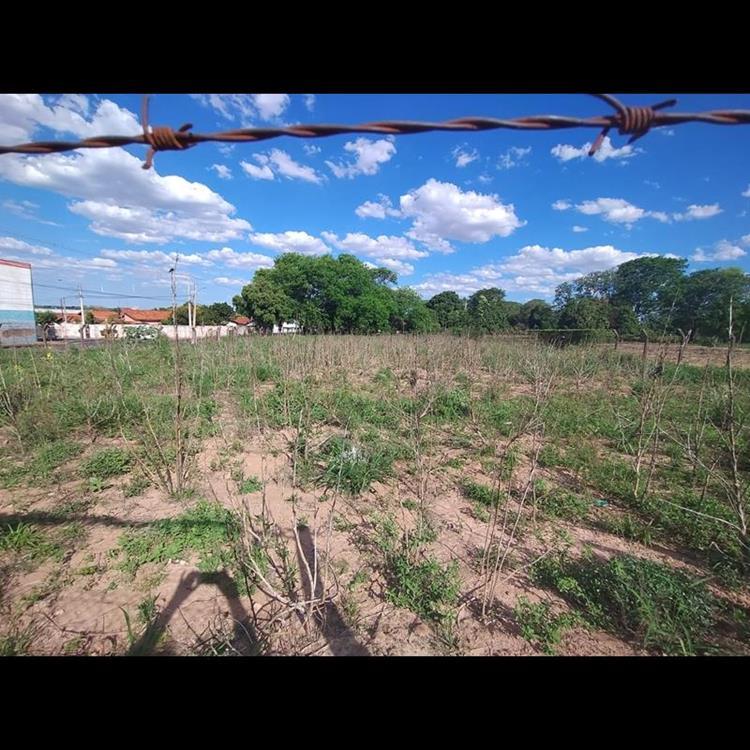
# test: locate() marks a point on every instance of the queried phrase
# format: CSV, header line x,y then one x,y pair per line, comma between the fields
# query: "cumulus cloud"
x,y
561,205
156,257
368,157
11,245
577,228
311,149
245,107
463,156
280,162
564,152
441,211
381,247
399,266
290,242
222,170
698,212
723,250
227,281
377,210
232,258
513,157
533,270
26,210
123,200
22,115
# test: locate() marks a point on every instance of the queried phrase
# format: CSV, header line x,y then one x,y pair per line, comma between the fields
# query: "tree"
x,y
449,309
536,314
88,317
486,310
216,314
650,287
704,303
45,318
585,312
264,301
411,314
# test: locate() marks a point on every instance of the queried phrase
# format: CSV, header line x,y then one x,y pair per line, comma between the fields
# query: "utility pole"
x,y
195,310
64,313
83,317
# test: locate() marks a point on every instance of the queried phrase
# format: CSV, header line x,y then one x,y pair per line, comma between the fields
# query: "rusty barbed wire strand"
x,y
633,121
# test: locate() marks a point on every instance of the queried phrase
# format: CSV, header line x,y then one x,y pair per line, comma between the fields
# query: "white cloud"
x,y
222,170
379,210
380,247
156,257
399,266
310,102
613,210
561,205
9,244
441,211
563,152
245,107
533,270
652,183
722,250
485,179
463,157
311,149
259,173
22,115
280,162
290,242
123,200
226,281
26,210
270,105
698,212
577,228
745,239
746,194
232,258
513,157
369,155
665,131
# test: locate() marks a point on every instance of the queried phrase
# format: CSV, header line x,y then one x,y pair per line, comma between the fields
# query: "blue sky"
x,y
519,210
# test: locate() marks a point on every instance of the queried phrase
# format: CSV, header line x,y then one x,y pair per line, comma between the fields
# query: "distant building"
x,y
241,320
144,317
17,322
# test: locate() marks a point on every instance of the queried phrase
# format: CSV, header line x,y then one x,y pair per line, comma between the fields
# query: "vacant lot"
x,y
372,495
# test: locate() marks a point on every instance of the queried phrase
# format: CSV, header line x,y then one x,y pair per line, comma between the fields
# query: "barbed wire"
x,y
633,121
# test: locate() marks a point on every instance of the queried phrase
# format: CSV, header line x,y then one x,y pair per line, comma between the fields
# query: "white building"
x,y
17,322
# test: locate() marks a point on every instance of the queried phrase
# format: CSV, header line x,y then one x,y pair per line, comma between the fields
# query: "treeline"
x,y
216,314
343,295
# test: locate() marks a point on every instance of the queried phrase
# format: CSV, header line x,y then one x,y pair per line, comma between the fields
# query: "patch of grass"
x,y
353,468
662,609
108,462
26,540
540,627
486,496
559,503
629,527
17,640
416,580
136,486
207,530
247,485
